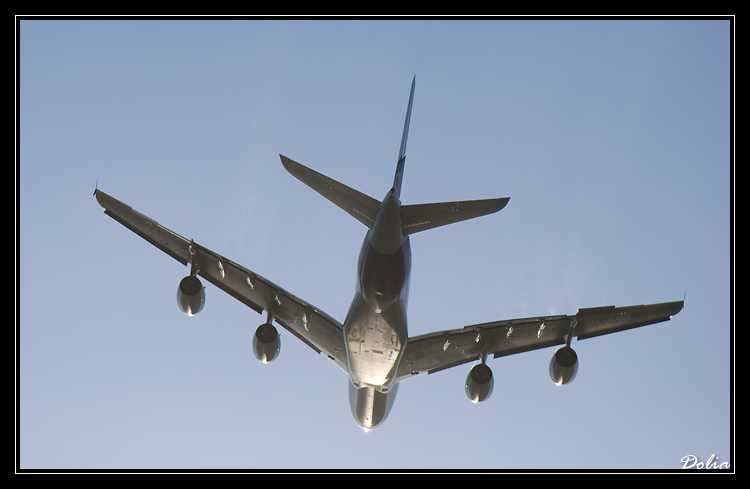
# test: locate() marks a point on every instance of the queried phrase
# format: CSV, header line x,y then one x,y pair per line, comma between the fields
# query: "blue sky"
x,y
612,139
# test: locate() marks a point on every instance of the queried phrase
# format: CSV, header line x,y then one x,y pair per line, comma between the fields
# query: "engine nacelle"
x,y
266,343
191,296
479,383
563,366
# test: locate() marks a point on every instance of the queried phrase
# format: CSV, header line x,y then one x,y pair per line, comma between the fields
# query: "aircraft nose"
x,y
369,406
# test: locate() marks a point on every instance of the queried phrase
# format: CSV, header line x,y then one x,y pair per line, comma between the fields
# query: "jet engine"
x,y
479,383
563,366
191,296
266,343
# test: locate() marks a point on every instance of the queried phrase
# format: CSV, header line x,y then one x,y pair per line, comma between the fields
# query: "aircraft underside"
x,y
372,345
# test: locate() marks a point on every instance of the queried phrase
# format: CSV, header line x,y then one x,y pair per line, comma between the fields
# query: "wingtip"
x,y
285,161
502,202
679,306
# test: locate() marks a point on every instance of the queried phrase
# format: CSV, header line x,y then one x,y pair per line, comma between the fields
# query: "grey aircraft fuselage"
x,y
375,327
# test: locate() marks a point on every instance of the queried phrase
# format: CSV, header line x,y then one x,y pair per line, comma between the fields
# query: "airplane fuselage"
x,y
375,328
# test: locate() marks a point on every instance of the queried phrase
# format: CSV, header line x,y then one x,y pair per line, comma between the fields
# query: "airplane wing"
x,y
315,328
440,350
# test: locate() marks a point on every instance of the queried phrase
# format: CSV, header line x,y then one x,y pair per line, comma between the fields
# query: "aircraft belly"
x,y
374,342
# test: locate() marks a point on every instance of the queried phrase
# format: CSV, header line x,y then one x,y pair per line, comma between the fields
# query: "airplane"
x,y
373,345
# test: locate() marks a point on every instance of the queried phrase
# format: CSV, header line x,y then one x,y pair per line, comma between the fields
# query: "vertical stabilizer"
x,y
402,150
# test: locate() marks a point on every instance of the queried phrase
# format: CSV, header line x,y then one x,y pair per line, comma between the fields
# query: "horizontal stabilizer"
x,y
419,217
360,206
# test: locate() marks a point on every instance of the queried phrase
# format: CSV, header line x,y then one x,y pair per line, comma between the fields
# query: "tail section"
x,y
414,218
402,150
420,217
360,206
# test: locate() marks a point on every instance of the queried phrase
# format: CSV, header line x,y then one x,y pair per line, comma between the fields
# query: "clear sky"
x,y
612,139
